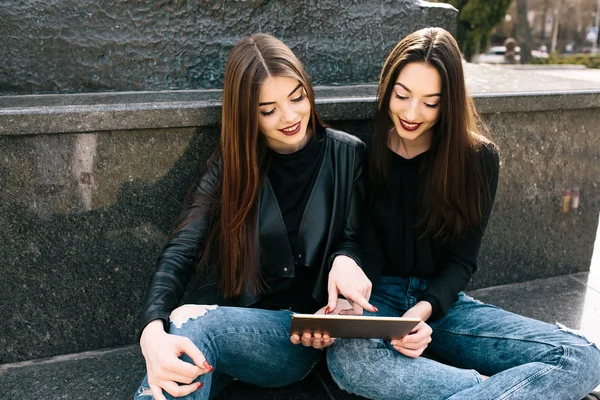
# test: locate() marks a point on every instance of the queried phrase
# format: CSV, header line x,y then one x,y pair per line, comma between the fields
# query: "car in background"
x,y
495,55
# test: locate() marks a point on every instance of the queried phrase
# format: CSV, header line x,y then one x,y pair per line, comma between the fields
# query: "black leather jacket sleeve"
x,y
349,245
179,258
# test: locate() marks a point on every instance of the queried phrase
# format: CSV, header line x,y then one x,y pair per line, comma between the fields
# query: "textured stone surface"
x,y
542,155
82,219
116,374
495,90
113,374
568,300
89,46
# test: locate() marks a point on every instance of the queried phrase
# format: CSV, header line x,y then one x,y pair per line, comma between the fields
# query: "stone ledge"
x,y
495,89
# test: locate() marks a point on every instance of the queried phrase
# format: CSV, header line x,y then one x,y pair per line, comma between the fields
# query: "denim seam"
x,y
253,332
477,376
536,375
492,336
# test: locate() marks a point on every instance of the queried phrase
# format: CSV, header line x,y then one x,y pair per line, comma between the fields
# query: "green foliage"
x,y
589,60
476,20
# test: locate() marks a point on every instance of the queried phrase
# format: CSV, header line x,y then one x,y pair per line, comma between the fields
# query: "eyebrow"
x,y
410,91
273,102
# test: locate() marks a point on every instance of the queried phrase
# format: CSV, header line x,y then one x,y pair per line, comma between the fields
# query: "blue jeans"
x,y
525,358
252,345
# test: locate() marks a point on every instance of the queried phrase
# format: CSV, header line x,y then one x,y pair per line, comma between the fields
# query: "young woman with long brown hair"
x,y
433,180
272,225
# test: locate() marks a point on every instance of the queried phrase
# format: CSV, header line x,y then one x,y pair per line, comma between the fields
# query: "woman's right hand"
x,y
165,370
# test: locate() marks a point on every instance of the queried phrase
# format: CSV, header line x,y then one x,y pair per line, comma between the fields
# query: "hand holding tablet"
x,y
353,326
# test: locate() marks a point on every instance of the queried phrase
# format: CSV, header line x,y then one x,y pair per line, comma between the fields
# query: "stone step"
x,y
573,300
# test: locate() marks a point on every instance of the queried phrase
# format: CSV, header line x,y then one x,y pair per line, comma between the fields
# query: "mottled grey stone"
x,y
496,90
82,220
114,374
542,155
90,46
562,299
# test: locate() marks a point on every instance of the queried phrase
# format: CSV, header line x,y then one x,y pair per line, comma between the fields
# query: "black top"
x,y
292,177
406,252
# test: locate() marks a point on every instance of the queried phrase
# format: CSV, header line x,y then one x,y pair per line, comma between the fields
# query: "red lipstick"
x,y
292,129
407,126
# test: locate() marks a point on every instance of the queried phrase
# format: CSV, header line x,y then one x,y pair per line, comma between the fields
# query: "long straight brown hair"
x,y
451,198
232,241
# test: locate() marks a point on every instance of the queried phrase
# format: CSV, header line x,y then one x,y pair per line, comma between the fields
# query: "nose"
x,y
412,111
288,115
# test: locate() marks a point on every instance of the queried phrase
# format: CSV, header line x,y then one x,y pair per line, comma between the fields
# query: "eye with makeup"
x,y
267,113
398,96
299,98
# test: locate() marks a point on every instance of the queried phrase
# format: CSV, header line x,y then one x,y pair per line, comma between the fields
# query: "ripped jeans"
x,y
252,345
525,358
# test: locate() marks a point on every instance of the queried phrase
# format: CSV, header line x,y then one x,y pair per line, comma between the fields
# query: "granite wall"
x,y
73,46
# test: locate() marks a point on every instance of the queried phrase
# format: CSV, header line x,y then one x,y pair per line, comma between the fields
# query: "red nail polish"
x,y
375,308
199,385
327,310
207,366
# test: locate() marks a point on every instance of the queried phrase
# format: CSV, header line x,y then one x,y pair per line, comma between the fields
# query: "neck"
x,y
409,148
289,149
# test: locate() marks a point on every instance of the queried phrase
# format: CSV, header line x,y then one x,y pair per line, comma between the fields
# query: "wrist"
x,y
341,257
424,309
154,327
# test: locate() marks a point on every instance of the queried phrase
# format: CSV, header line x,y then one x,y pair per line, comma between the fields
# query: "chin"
x,y
410,135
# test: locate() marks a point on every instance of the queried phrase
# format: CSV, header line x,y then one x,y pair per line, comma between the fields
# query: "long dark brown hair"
x,y
232,241
454,187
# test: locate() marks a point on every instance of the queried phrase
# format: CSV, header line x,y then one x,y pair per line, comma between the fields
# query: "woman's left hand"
x,y
349,280
415,343
317,340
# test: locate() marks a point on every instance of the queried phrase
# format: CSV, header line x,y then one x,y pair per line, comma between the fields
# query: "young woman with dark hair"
x,y
432,187
273,226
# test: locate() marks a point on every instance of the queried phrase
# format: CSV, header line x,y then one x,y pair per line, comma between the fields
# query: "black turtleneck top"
x,y
292,177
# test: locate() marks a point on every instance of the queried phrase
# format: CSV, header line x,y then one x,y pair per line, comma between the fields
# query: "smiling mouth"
x,y
408,126
292,129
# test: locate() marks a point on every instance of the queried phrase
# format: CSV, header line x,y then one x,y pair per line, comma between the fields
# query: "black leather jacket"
x,y
329,227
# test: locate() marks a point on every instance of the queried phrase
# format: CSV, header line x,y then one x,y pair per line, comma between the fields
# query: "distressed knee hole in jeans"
x,y
183,314
575,332
144,391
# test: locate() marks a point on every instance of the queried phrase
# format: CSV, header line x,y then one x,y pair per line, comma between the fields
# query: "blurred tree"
x,y
523,32
476,20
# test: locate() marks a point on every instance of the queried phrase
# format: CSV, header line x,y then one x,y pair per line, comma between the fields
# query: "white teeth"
x,y
291,129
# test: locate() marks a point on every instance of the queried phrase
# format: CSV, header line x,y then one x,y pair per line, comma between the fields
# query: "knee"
x,y
346,360
187,312
586,362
